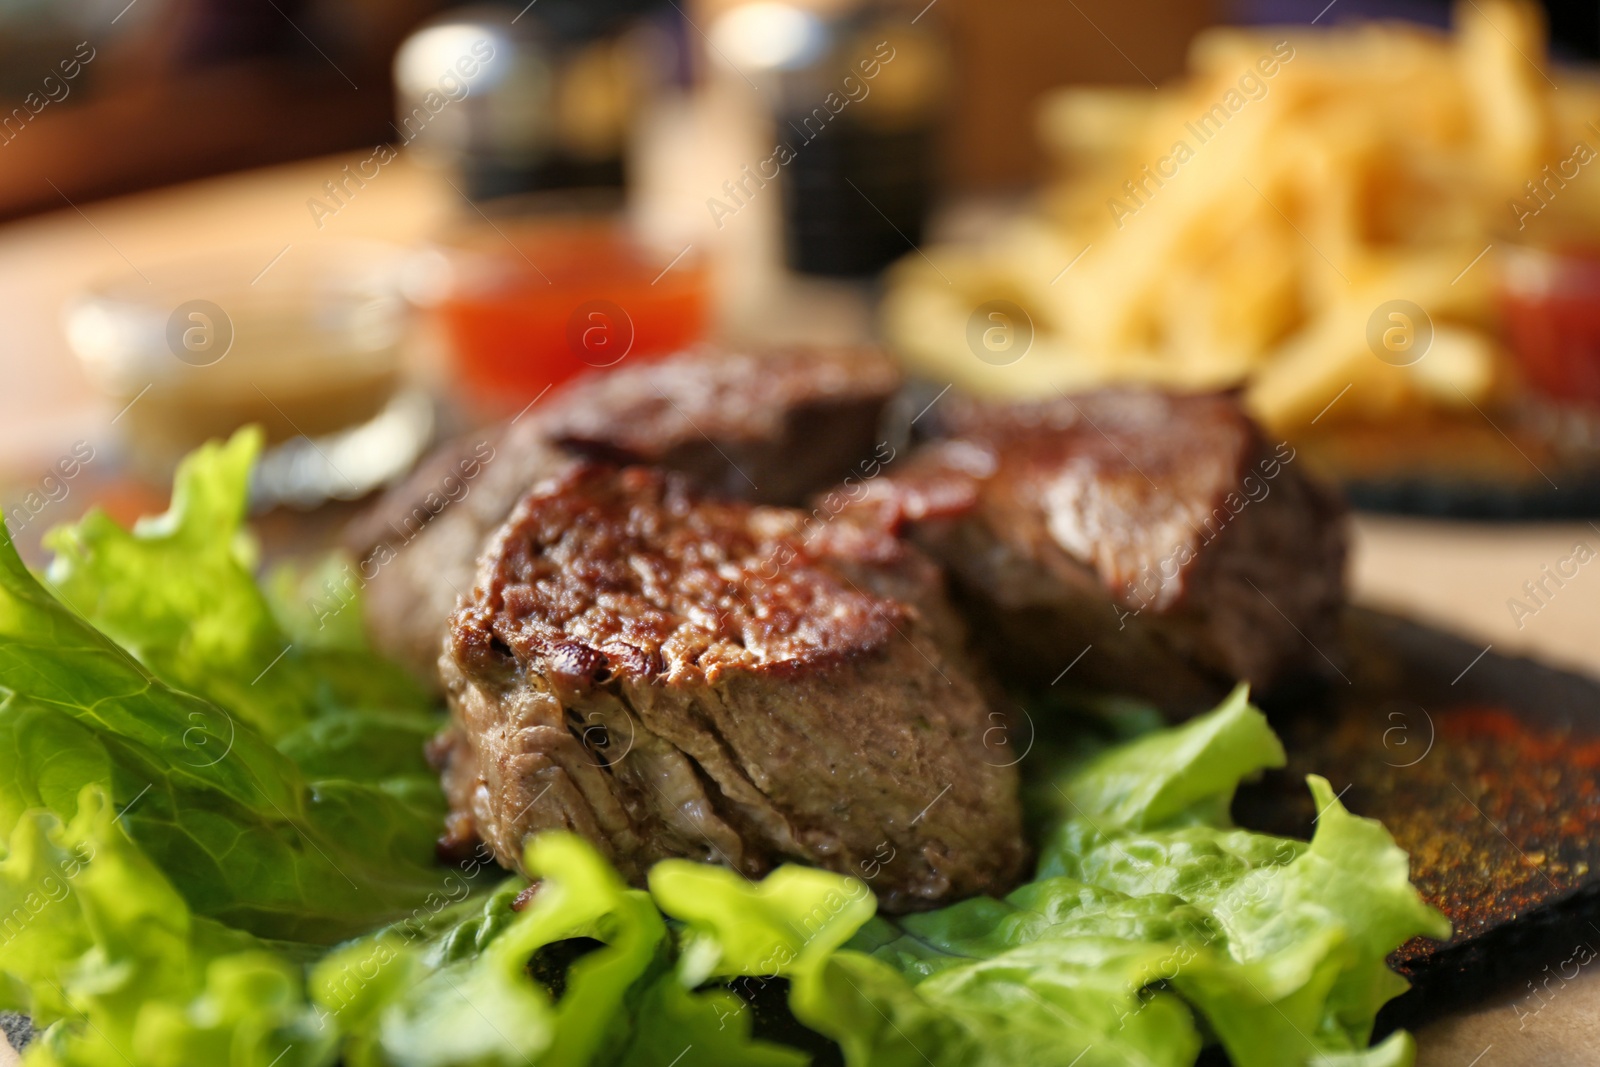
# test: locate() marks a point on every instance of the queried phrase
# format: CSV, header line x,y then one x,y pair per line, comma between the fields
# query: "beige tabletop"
x,y
1458,576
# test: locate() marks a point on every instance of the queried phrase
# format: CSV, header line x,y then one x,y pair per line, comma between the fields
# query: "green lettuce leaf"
x,y
1038,1004
234,824
793,917
1304,968
115,969
178,592
1177,776
318,605
459,990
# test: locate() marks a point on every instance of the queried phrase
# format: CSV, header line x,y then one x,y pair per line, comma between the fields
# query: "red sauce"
x,y
1550,306
545,301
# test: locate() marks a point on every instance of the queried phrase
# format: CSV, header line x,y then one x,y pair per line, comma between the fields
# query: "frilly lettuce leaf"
x,y
1304,969
1172,777
245,834
462,992
793,917
178,592
114,968
1040,1003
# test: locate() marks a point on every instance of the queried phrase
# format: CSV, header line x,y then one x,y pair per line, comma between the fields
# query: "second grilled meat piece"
x,y
769,427
763,426
673,676
1159,535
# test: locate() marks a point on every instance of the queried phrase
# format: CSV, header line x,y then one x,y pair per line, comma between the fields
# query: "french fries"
x,y
1241,229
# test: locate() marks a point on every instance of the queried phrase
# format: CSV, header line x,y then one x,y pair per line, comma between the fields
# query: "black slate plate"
x,y
1534,460
1486,768
1576,497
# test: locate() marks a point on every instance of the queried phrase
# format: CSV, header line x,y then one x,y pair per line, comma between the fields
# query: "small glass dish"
x,y
1550,314
304,341
539,289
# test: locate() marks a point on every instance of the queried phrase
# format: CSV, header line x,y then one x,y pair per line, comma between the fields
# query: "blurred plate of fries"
x,y
1319,217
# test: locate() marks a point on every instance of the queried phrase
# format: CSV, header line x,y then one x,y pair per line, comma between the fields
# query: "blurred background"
x,y
181,89
370,224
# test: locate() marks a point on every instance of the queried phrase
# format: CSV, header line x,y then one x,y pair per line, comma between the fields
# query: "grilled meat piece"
x,y
1160,529
675,676
416,559
769,427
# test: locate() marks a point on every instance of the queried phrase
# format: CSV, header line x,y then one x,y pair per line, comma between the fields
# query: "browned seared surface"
x,y
1156,534
764,426
672,676
767,427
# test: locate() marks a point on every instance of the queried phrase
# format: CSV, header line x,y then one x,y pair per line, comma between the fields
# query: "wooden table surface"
x,y
1458,576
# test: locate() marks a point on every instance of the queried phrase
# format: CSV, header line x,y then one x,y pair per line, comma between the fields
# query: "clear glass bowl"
x,y
303,340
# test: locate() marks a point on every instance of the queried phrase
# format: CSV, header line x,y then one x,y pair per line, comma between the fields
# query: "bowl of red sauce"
x,y
528,302
1550,313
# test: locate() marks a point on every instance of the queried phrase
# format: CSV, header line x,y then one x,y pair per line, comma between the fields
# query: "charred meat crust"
x,y
1160,529
765,426
637,666
630,574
